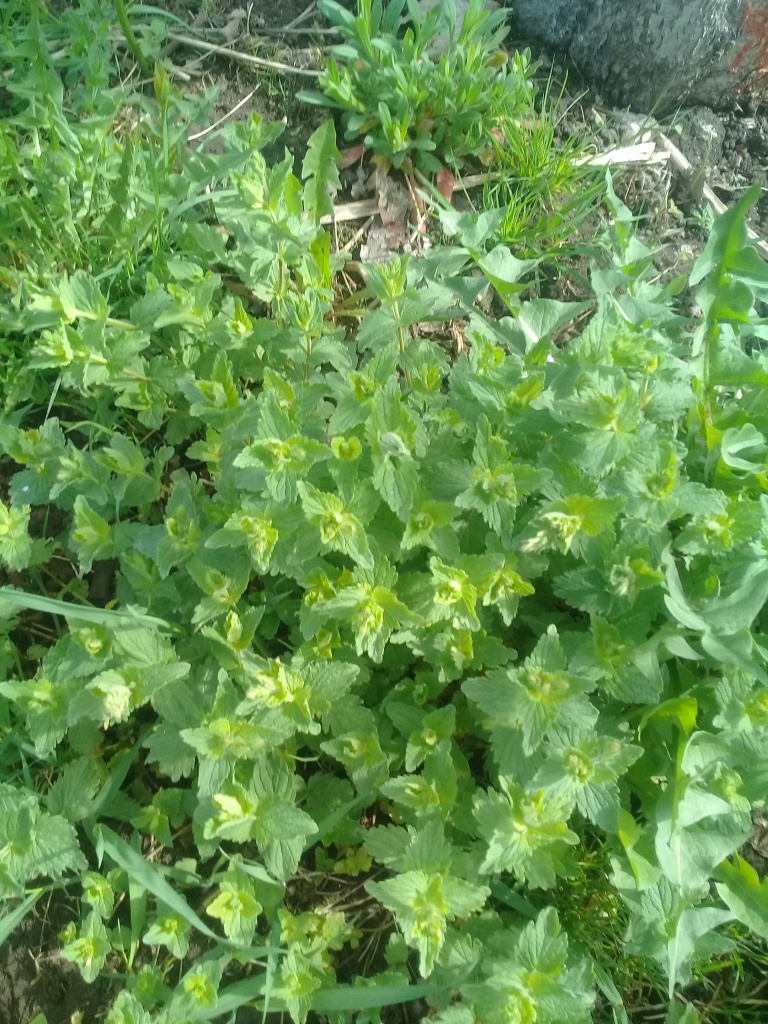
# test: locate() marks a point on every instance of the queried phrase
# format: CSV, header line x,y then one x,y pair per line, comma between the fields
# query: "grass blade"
x,y
347,997
149,877
84,613
9,922
233,997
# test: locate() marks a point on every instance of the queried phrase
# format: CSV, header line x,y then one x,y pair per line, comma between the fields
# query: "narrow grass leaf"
x,y
345,997
126,617
10,922
149,877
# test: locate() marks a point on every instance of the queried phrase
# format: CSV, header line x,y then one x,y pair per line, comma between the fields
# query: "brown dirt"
x,y
35,979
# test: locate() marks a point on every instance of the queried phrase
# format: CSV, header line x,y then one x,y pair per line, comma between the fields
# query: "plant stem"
x,y
130,38
401,339
711,339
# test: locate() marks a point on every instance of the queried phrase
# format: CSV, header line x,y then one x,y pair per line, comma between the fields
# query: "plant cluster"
x,y
288,601
438,93
543,181
410,101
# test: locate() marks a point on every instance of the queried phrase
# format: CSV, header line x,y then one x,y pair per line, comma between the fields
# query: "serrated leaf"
x,y
89,950
34,842
80,296
526,833
740,888
423,904
15,542
320,171
340,530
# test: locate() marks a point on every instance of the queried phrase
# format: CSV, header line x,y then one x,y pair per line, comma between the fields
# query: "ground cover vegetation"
x,y
340,671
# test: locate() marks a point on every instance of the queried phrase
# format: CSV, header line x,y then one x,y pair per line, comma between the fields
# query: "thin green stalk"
x,y
130,38
401,339
711,339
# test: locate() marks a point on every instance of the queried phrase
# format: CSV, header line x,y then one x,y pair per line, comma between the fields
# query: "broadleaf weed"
x,y
322,649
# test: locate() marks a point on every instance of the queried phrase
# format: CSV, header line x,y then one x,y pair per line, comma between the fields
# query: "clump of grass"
x,y
543,181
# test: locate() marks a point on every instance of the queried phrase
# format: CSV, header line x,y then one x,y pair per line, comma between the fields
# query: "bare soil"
x,y
35,979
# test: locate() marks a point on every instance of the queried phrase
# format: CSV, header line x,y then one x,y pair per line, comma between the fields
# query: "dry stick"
x,y
643,153
223,118
303,16
248,58
352,211
684,166
297,32
310,51
357,235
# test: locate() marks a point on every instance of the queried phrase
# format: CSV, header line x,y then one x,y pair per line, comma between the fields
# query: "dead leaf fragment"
x,y
446,183
351,155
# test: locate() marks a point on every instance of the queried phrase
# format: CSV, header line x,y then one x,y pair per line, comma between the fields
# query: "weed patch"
x,y
338,674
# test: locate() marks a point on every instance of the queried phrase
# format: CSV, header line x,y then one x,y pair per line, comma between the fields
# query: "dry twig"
x,y
684,166
248,58
303,16
222,119
357,236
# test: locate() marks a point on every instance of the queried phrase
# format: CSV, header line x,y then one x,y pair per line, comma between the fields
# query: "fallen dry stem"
x,y
684,166
248,58
303,16
223,118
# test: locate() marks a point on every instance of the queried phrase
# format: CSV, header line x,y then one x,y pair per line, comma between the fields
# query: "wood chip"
x,y
683,166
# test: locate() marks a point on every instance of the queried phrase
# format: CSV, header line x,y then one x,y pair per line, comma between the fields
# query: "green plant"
x,y
703,217
409,101
320,649
543,182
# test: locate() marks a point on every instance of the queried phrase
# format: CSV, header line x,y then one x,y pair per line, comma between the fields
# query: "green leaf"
x,y
80,297
670,925
423,904
744,894
586,769
505,272
531,977
127,618
11,919
15,542
148,876
680,1013
73,793
236,906
727,239
536,697
264,811
340,530
98,893
170,931
498,483
320,171
342,998
127,1009
90,949
526,834
738,442
696,831
375,612
33,842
